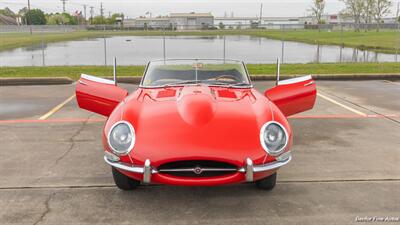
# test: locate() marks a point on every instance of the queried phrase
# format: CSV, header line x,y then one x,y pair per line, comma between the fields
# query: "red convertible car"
x,y
196,122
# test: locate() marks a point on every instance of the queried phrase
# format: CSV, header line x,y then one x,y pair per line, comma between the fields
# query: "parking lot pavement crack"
x,y
72,140
360,106
106,186
47,209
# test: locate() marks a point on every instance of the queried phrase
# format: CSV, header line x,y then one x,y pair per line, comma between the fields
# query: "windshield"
x,y
185,72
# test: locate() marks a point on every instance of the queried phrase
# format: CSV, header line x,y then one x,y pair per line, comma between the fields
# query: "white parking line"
x,y
55,109
341,105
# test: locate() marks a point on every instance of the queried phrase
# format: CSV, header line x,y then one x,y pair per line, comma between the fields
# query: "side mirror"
x,y
278,71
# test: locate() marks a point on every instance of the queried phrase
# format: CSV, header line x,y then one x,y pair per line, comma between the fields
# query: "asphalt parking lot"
x,y
346,165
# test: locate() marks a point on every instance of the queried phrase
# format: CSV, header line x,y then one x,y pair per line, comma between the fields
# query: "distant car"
x,y
196,123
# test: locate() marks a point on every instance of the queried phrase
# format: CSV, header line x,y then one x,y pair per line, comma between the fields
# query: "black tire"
x,y
123,182
267,183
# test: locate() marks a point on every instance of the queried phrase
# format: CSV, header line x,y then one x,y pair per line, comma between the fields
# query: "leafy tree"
x,y
70,20
34,17
368,11
317,10
110,20
113,19
23,11
7,12
355,9
98,20
221,25
380,9
61,18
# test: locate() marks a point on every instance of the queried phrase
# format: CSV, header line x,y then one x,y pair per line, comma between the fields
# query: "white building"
x,y
328,19
180,21
148,23
192,21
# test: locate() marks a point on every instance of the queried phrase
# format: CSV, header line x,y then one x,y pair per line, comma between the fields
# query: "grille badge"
x,y
198,170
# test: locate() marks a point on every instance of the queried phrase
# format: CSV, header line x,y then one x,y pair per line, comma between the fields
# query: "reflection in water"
x,y
140,49
283,51
341,54
36,47
355,54
317,56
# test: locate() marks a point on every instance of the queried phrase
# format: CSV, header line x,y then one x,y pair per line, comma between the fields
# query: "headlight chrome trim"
x,y
133,133
264,146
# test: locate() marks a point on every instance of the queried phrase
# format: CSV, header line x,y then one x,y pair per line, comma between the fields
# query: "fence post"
x,y
42,37
164,47
341,34
283,44
105,45
398,37
224,49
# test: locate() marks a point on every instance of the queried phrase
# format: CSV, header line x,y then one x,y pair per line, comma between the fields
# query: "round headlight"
x,y
121,137
273,138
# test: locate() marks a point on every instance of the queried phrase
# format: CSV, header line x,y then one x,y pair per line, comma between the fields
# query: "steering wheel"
x,y
227,77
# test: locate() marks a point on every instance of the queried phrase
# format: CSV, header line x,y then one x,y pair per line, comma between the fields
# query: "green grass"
x,y
255,69
327,68
383,41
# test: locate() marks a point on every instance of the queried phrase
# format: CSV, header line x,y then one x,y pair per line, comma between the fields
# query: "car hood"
x,y
197,122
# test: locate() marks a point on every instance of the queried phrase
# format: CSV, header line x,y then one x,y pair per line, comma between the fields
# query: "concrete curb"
x,y
16,81
136,79
334,77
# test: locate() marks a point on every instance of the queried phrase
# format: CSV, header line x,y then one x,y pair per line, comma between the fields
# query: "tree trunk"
x,y
378,25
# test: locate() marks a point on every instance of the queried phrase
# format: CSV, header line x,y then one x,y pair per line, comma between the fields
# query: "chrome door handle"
x,y
81,82
309,83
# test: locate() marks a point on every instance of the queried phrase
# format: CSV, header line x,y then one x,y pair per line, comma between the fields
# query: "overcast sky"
x,y
132,8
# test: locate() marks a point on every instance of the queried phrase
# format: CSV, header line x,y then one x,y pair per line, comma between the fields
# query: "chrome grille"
x,y
197,168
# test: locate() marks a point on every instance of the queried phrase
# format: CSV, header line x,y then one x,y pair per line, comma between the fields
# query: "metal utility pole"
x,y
109,13
91,14
29,17
84,10
63,2
101,10
398,14
261,11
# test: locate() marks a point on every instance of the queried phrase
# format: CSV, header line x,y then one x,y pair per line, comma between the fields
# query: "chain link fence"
x,y
134,45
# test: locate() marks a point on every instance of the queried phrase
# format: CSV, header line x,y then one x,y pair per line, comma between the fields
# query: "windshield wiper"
x,y
208,83
181,83
242,84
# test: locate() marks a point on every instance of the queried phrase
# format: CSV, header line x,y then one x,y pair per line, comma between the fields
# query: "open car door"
x,y
98,95
293,95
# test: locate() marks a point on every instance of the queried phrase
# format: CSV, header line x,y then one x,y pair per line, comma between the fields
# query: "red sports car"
x,y
196,122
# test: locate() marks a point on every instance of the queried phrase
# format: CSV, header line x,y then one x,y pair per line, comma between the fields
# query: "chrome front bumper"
x,y
248,170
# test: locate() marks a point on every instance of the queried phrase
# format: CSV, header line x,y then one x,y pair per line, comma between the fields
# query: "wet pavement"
x,y
345,165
